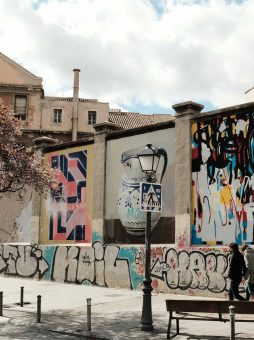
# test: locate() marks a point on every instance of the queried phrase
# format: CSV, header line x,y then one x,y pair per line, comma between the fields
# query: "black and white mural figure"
x,y
132,218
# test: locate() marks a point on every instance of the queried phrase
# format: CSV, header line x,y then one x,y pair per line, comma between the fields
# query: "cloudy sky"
x,y
139,55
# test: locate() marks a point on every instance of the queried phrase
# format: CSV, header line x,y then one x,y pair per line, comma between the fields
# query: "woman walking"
x,y
236,272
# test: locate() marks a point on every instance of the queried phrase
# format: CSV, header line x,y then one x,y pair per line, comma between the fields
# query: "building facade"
x,y
64,119
61,118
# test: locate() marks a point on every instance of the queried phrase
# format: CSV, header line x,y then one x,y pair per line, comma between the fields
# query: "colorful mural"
x,y
188,271
67,211
223,180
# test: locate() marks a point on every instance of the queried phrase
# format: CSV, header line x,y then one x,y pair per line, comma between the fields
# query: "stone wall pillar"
x,y
184,113
99,178
39,144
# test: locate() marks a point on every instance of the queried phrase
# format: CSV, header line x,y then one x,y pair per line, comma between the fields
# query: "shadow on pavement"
x,y
207,337
69,324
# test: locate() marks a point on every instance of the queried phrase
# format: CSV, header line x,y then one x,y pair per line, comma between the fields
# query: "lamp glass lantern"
x,y
149,159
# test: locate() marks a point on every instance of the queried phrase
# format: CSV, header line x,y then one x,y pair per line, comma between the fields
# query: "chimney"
x,y
75,104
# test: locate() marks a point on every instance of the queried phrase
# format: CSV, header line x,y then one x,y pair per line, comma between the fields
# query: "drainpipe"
x,y
75,104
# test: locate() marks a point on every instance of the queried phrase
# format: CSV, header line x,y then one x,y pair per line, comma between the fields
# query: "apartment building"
x,y
60,118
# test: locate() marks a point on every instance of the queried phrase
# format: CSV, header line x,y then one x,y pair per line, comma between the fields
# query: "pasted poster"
x,y
68,209
223,179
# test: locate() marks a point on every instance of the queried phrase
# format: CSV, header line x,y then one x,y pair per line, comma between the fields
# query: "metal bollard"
x,y
232,322
21,296
89,305
38,308
1,303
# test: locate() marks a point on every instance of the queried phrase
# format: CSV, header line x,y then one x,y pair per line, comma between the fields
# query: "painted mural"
x,y
128,203
67,211
223,180
124,221
186,271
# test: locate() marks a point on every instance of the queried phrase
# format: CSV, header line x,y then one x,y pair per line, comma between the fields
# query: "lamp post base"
x,y
146,319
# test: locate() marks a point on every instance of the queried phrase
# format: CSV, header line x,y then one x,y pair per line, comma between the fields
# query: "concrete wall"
x,y
184,113
15,217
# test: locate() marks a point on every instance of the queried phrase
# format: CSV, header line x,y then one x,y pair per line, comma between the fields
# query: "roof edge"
x,y
140,130
21,68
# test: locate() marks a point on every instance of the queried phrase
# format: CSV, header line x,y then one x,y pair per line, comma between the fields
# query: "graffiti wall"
x,y
67,212
185,271
223,180
125,222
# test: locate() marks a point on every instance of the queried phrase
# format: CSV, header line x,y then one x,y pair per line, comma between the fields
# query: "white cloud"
x,y
128,52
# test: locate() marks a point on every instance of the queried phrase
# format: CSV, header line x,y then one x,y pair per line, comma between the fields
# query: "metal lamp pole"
x,y
149,159
147,319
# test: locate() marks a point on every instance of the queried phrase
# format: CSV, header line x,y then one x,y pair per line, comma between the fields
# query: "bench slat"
x,y
200,306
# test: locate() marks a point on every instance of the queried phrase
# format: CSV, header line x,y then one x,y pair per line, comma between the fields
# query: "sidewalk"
x,y
116,314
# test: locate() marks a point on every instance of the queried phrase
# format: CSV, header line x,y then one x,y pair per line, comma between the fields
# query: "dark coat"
x,y
237,267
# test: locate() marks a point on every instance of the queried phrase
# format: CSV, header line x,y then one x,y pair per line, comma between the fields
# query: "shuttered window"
x,y
91,117
57,118
20,107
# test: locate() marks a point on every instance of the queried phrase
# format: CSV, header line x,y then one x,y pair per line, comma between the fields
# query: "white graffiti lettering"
x,y
195,270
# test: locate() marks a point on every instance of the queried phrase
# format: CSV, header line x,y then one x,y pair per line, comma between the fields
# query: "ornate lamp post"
x,y
149,160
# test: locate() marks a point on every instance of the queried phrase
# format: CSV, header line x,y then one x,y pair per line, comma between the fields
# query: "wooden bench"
x,y
192,309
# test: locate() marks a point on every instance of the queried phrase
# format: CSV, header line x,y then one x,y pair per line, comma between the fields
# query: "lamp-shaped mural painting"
x,y
132,218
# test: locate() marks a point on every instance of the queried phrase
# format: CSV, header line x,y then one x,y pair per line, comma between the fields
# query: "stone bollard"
x,y
38,308
232,322
21,296
1,303
89,318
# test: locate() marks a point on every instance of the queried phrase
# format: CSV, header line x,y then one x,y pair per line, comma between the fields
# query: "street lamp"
x,y
149,160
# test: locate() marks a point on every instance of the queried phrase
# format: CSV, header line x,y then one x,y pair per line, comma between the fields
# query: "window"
x,y
20,107
91,117
57,116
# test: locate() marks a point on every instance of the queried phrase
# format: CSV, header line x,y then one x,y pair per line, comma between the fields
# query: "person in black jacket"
x,y
236,272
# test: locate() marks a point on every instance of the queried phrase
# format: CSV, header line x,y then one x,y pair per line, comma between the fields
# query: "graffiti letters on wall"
x,y
113,266
69,219
98,265
223,180
192,270
23,261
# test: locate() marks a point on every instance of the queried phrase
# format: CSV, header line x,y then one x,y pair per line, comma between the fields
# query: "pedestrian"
x,y
236,272
243,249
249,276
